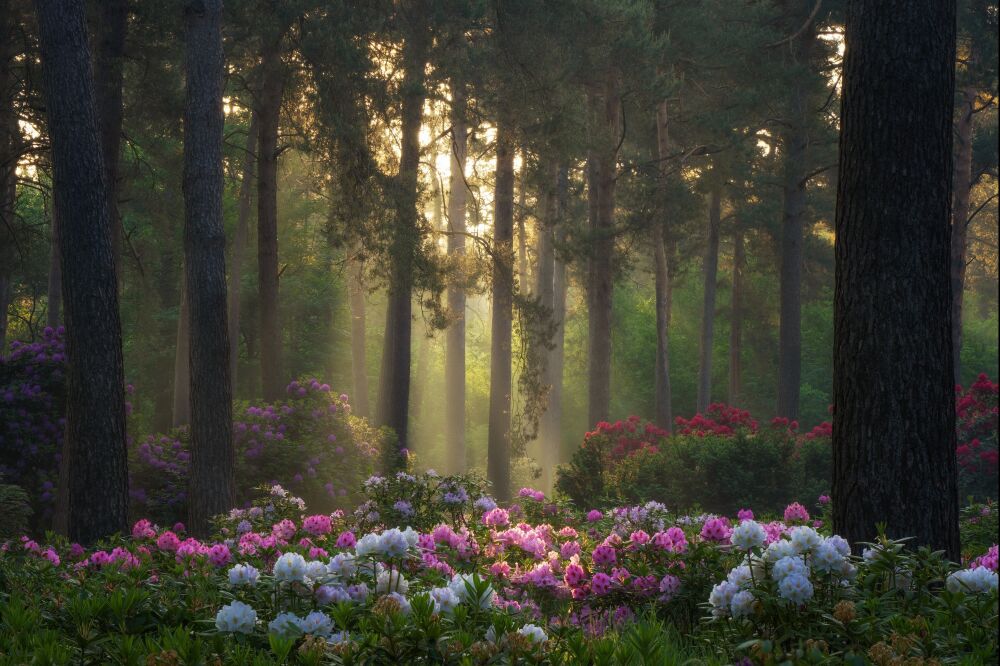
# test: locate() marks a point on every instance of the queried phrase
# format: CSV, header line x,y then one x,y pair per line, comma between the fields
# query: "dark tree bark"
x,y
212,482
182,360
111,29
607,112
394,382
661,267
93,495
53,314
962,184
268,115
893,383
454,369
240,240
498,446
10,147
711,270
736,317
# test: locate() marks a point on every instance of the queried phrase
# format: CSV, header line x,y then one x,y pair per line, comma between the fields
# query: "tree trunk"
x,y
394,382
663,395
893,382
10,148
359,363
736,317
498,448
212,481
708,306
520,214
607,113
240,247
108,78
552,454
93,495
455,344
182,360
268,116
53,312
962,183
548,430
4,306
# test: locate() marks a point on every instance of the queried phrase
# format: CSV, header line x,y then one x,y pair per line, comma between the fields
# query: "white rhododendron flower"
x,y
789,566
805,539
369,544
445,600
285,625
826,558
290,567
748,534
979,581
796,588
534,632
243,574
342,565
780,549
460,586
316,570
740,576
721,596
237,617
316,623
741,604
391,581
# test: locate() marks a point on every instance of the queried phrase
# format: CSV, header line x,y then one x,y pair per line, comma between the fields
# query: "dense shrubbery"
x,y
526,583
977,438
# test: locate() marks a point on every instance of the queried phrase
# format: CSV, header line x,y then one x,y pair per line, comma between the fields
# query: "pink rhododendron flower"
x,y
594,515
283,530
346,540
744,514
796,512
168,541
143,529
317,525
604,555
574,575
600,583
715,529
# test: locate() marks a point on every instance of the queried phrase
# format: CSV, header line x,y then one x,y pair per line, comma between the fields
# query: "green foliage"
x,y
15,511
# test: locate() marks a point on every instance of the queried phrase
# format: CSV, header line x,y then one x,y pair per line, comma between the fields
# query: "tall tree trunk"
x,y
607,114
5,289
182,360
962,182
708,307
520,213
498,447
212,480
359,363
548,430
736,317
240,247
663,394
893,382
552,454
454,370
10,148
93,495
54,311
394,382
268,116
108,79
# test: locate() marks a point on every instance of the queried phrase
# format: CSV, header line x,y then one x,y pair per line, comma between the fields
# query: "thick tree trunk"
x,y
108,78
53,313
893,382
93,494
240,241
663,394
962,183
394,382
607,113
182,360
498,447
268,116
212,481
736,317
359,328
711,269
454,370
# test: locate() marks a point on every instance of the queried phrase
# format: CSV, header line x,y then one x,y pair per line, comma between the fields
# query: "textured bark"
x,y
240,240
394,382
661,266
108,78
711,270
53,313
454,363
4,306
736,317
359,362
182,361
10,140
93,494
962,183
606,110
212,480
894,412
498,445
268,114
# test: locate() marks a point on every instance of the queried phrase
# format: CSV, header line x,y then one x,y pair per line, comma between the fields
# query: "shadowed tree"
x,y
455,354
93,495
894,416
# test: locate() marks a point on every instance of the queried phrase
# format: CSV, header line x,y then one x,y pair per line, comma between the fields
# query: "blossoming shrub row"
x,y
527,583
976,409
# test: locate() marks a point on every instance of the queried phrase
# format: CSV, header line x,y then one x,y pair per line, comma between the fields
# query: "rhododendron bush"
x,y
528,582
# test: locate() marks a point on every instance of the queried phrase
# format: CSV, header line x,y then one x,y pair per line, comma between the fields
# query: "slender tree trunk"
x,y
893,382
548,430
498,448
268,116
182,360
240,241
708,306
736,317
108,79
552,454
5,289
520,213
93,495
359,363
455,344
394,383
663,395
962,182
212,481
607,112
10,147
54,311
